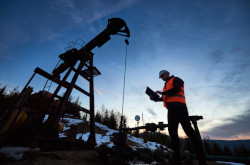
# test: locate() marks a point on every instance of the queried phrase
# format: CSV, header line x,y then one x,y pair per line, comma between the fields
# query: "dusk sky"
x,y
206,43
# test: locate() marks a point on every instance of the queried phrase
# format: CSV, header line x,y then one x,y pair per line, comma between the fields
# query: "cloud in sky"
x,y
235,127
224,92
151,111
11,33
27,23
89,11
217,56
49,20
233,63
98,91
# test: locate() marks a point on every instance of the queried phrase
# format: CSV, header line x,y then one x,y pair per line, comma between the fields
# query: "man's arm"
x,y
177,83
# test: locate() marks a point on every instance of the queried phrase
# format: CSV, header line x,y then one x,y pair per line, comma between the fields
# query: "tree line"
x,y
212,148
110,118
7,97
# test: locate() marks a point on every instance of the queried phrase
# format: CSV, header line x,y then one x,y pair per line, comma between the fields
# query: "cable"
x,y
124,78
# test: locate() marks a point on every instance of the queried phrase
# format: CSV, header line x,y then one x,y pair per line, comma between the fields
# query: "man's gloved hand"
x,y
158,92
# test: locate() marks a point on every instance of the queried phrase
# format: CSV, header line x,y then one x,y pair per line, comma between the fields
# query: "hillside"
x,y
232,143
103,135
76,128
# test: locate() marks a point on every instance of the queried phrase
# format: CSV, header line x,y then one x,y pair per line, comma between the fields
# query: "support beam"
x,y
79,108
57,80
54,119
91,102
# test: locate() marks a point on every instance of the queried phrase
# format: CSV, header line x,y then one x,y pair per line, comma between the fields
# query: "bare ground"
x,y
70,158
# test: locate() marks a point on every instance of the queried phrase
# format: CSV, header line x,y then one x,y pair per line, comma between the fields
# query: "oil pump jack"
x,y
56,104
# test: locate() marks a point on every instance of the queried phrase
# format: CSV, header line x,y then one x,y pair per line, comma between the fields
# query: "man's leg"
x,y
173,132
194,138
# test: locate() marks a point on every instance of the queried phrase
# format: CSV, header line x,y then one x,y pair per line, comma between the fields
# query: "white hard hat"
x,y
162,72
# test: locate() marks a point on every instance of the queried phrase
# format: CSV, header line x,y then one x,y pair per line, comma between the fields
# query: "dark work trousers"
x,y
178,113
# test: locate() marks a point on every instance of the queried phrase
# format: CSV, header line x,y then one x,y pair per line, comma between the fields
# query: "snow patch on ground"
x,y
100,139
140,141
230,163
66,126
16,152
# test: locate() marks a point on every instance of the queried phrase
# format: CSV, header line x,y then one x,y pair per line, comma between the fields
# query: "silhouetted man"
x,y
173,98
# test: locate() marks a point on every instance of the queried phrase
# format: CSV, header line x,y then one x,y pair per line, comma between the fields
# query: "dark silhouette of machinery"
x,y
43,102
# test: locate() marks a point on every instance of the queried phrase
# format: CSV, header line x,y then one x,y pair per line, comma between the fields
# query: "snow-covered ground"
x,y
17,152
100,139
231,163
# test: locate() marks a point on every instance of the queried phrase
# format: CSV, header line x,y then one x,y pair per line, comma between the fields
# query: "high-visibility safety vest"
x,y
178,97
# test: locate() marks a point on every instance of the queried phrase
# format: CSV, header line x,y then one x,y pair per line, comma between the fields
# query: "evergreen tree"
x,y
236,151
105,120
2,99
103,108
243,151
216,149
112,124
12,97
7,98
77,102
2,91
108,118
70,98
14,92
227,151
207,146
98,117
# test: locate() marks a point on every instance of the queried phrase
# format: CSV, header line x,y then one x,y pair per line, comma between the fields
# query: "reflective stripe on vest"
x,y
178,97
